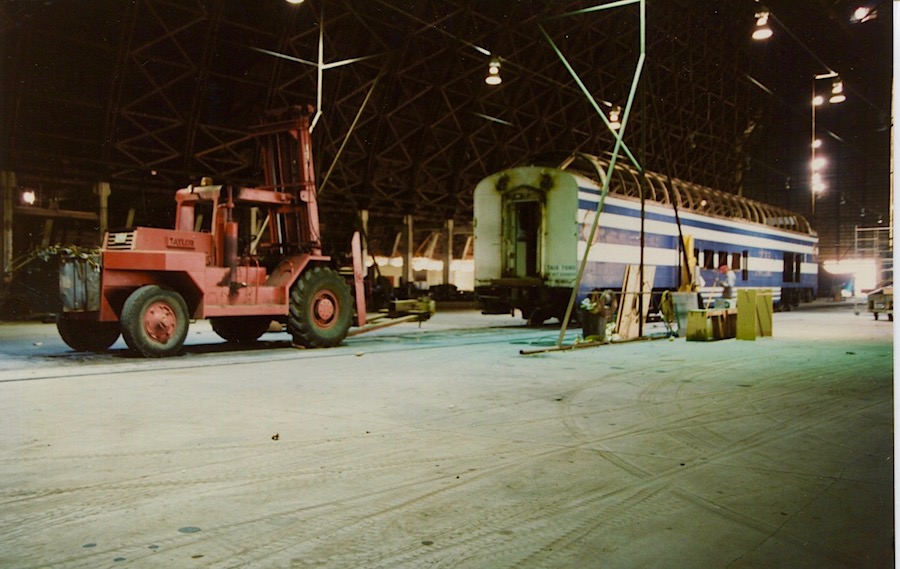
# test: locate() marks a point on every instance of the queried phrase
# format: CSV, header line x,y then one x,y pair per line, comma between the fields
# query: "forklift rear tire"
x,y
240,329
321,309
86,335
154,321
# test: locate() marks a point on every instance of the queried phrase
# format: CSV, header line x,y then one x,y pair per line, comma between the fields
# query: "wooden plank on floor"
x,y
628,321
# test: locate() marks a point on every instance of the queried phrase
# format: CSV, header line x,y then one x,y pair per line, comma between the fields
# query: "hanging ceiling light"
x,y
614,113
837,91
493,77
817,183
295,1
762,31
863,14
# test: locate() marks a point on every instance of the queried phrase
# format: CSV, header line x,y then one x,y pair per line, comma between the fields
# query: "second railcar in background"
x,y
532,223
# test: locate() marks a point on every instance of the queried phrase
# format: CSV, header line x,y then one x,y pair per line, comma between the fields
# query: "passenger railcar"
x,y
531,224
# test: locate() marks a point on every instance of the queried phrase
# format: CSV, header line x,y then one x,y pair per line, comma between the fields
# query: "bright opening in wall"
x,y
864,271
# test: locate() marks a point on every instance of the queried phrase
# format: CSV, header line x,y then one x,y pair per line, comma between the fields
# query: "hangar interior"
x,y
468,440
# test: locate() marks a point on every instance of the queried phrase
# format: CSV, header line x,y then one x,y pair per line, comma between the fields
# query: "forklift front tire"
x,y
154,321
321,309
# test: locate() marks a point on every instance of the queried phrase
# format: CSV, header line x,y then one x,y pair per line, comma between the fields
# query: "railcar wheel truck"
x,y
240,256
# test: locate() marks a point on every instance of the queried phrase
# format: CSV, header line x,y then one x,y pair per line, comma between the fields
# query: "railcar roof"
x,y
686,196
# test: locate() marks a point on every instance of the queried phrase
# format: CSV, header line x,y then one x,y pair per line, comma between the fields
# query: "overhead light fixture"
x,y
493,77
863,14
28,197
295,1
817,143
762,31
818,185
614,113
817,163
837,91
818,101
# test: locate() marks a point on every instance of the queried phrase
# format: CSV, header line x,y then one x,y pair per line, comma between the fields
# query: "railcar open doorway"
x,y
524,221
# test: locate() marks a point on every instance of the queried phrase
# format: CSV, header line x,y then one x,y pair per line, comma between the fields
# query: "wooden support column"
x,y
7,191
448,250
103,190
408,249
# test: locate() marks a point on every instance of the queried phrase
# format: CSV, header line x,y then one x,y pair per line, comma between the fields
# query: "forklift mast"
x,y
287,198
287,160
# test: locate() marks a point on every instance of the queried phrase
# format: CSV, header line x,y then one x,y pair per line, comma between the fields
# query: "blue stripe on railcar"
x,y
632,237
616,236
603,275
711,225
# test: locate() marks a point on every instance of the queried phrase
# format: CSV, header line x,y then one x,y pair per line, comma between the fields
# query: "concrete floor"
x,y
442,446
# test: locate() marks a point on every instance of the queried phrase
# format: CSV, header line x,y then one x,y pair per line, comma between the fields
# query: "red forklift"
x,y
242,257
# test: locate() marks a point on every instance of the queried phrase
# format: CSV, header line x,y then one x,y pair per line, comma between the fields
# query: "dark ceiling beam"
x,y
202,95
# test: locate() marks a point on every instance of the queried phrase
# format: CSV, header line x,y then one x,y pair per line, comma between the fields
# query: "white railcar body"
x,y
532,224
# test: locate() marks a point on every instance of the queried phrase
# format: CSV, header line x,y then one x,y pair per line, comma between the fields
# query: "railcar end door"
x,y
524,225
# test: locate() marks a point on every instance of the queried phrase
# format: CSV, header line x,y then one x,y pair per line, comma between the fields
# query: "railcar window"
x,y
745,269
709,259
723,259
